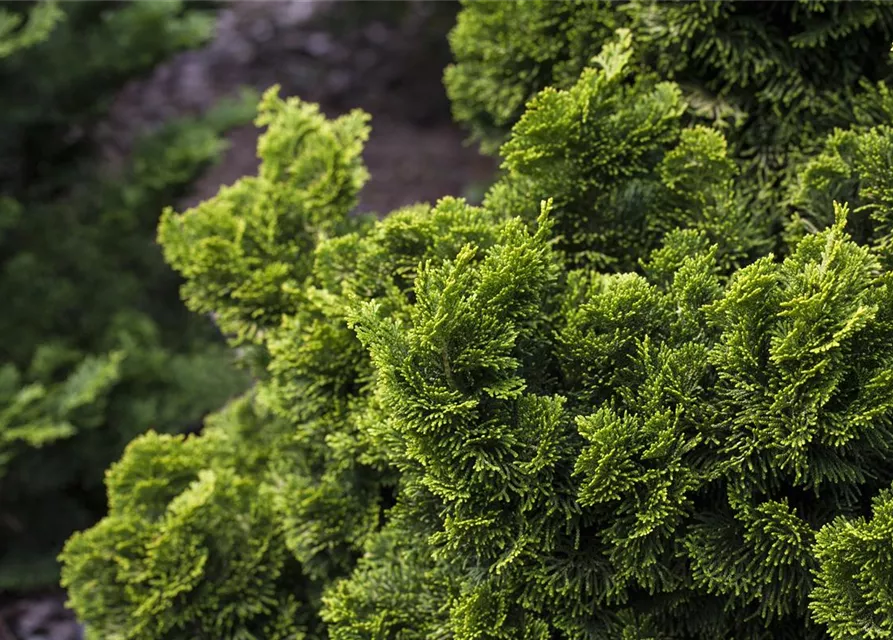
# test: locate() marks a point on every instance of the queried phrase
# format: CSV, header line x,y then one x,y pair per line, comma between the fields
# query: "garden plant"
x,y
645,390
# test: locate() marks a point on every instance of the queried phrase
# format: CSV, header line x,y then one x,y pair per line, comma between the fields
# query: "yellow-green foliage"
x,y
200,549
251,246
612,153
555,416
18,31
852,167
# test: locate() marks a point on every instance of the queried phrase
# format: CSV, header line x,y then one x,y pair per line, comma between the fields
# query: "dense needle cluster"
x,y
632,395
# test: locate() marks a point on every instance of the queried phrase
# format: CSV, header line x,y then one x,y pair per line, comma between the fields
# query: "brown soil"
x,y
385,58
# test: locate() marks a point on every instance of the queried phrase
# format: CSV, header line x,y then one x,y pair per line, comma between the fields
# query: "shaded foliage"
x,y
95,346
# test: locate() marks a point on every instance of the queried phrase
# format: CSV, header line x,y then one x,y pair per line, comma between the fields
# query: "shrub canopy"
x,y
630,396
775,76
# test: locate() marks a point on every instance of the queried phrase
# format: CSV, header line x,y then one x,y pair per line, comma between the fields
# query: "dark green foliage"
x,y
596,407
774,75
50,103
852,167
95,346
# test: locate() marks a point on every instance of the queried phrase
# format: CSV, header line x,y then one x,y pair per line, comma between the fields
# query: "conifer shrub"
x,y
617,400
775,76
95,347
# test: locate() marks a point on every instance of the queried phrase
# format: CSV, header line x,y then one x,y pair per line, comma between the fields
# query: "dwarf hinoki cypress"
x,y
627,397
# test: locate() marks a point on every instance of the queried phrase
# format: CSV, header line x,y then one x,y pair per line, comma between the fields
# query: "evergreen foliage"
x,y
775,76
95,345
852,167
612,153
615,401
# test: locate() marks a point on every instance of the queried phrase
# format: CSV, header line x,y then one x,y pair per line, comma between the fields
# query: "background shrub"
x,y
94,343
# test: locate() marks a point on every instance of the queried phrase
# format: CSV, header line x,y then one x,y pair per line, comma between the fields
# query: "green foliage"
x,y
852,594
612,153
774,75
35,415
596,407
18,32
510,52
201,550
95,346
308,181
852,167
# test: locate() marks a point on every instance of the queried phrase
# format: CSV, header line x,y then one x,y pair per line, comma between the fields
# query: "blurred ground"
x,y
384,57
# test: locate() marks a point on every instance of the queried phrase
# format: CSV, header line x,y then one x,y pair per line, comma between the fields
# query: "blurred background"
x,y
109,112
386,57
